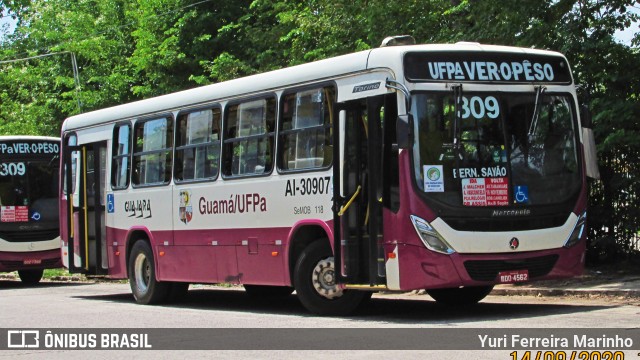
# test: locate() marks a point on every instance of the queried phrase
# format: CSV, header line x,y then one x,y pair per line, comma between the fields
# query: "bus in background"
x,y
29,221
450,168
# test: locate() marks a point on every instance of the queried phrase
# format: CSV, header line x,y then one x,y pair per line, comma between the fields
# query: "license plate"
x,y
32,261
513,276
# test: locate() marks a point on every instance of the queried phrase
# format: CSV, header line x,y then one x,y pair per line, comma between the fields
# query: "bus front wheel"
x,y
145,287
467,295
30,277
315,283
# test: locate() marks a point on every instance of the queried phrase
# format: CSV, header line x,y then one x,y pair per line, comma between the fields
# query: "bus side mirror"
x,y
589,143
404,131
585,117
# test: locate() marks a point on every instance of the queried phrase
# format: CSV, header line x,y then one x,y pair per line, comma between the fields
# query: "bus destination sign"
x,y
486,67
29,147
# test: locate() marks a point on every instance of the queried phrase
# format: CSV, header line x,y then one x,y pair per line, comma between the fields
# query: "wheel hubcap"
x,y
324,279
142,272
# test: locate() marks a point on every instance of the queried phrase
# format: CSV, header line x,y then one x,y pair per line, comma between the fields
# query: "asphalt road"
x,y
110,305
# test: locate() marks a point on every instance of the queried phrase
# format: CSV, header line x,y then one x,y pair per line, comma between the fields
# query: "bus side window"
x,y
152,156
121,151
248,144
71,140
198,145
305,130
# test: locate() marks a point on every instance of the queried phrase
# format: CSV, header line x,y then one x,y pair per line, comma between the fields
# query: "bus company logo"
x,y
185,210
138,208
514,243
518,212
366,87
236,204
23,339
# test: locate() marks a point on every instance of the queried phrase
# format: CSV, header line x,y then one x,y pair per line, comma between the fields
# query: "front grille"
x,y
487,270
505,224
29,236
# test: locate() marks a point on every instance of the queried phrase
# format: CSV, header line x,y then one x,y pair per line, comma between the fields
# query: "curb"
x,y
565,292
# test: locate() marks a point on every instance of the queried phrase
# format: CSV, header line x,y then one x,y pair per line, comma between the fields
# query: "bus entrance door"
x,y
357,200
85,174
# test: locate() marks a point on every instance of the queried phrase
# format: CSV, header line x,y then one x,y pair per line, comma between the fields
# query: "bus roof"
x,y
27,137
385,57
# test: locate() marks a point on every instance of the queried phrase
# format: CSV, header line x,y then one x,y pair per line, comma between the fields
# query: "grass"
x,y
49,273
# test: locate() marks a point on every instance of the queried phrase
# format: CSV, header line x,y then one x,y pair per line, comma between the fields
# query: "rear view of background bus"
x,y
29,221
450,168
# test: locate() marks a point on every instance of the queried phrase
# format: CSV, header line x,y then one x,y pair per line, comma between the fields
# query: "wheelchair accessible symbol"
x,y
111,206
521,194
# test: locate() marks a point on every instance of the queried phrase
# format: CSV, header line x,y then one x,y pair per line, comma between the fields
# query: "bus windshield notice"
x,y
486,67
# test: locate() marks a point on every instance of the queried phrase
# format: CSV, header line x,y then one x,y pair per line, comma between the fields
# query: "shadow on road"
x,y
398,311
16,284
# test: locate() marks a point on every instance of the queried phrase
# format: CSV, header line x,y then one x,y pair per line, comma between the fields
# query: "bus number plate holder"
x,y
513,276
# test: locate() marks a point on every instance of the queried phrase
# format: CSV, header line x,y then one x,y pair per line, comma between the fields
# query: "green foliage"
x,y
128,50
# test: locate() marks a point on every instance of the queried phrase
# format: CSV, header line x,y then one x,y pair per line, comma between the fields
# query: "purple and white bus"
x,y
449,168
29,223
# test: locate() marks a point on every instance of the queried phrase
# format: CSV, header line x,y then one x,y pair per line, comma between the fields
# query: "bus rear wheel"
x,y
467,295
145,287
315,283
30,277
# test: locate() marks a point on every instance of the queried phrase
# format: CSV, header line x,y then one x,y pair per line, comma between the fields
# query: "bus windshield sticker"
x,y
433,179
14,214
485,172
521,194
485,191
185,210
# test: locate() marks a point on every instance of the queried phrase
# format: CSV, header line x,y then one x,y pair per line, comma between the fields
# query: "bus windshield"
x,y
28,191
503,149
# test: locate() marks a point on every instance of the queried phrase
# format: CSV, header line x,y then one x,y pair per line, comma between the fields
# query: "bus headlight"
x,y
430,237
578,230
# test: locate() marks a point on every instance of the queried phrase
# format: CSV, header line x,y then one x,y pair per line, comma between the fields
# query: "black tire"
x,y
145,287
468,295
264,291
30,277
334,302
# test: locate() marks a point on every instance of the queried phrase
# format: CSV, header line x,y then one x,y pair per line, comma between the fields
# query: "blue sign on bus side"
x,y
111,205
521,194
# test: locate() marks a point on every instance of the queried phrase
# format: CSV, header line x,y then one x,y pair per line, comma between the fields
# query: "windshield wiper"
x,y
54,158
536,112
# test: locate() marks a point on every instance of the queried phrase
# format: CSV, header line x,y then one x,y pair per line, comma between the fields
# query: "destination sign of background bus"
x,y
449,168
